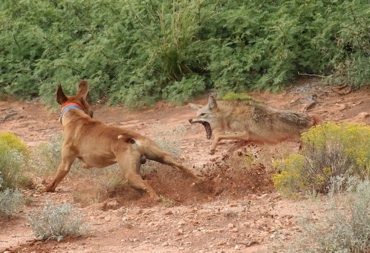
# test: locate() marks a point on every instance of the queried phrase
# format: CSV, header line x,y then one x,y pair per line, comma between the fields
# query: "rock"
x,y
361,116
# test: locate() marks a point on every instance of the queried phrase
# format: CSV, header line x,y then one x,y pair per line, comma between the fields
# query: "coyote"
x,y
99,145
249,121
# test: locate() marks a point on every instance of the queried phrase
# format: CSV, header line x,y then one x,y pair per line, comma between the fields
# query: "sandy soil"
x,y
238,210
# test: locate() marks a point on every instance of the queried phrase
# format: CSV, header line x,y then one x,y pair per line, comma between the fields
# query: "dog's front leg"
x,y
67,159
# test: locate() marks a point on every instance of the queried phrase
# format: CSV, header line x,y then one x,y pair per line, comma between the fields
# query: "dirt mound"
x,y
226,178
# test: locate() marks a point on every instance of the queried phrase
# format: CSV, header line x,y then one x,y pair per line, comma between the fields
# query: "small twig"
x,y
314,75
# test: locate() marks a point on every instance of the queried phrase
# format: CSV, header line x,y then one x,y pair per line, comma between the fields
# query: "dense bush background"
x,y
137,52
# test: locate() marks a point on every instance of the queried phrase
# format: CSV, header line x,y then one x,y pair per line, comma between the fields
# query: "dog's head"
x,y
79,99
206,115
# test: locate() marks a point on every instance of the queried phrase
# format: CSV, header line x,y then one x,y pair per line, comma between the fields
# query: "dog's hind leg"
x,y
130,162
156,154
169,160
68,157
136,181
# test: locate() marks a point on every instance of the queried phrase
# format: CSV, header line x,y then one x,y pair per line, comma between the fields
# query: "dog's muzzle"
x,y
206,125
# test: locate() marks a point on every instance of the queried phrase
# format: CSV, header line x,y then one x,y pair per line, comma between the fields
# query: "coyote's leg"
x,y
218,138
68,156
237,146
130,162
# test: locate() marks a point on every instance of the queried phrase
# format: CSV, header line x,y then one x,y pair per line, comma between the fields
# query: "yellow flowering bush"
x,y
11,141
329,150
13,155
289,180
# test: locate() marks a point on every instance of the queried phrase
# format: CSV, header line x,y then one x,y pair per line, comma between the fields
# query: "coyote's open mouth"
x,y
206,125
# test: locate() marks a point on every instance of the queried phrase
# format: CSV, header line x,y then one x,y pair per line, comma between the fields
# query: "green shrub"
x,y
13,158
138,52
231,96
329,150
55,221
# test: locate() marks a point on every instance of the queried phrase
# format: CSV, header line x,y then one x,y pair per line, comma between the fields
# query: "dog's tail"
x,y
125,138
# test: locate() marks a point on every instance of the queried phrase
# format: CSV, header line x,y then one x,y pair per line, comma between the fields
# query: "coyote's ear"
x,y
194,106
61,97
83,89
212,104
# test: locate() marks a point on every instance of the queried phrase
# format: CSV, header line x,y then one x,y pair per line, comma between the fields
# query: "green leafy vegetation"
x,y
231,96
138,52
329,151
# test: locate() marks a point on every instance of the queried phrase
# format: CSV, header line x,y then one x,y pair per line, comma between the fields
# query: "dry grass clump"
x,y
10,201
54,221
345,224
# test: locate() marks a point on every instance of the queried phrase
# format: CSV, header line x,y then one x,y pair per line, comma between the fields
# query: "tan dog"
x,y
99,145
249,121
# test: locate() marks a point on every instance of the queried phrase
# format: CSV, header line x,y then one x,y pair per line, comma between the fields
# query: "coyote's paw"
x,y
212,152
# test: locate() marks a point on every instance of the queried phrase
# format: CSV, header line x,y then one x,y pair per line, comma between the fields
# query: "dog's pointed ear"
x,y
212,104
83,89
61,97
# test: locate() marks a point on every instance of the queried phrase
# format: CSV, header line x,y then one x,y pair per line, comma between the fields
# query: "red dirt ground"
x,y
235,210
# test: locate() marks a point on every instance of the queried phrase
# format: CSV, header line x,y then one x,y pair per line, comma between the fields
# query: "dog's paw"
x,y
49,188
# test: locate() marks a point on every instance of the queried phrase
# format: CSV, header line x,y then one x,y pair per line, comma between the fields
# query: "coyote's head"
x,y
206,115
